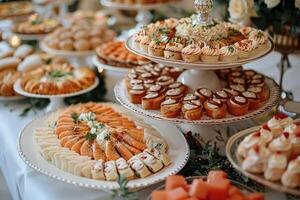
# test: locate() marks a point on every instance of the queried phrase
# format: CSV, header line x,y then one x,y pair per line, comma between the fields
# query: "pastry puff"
x,y
256,160
110,171
150,161
138,166
291,177
98,170
124,169
276,166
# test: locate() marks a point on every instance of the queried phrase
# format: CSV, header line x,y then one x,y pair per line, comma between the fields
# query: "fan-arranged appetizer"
x,y
155,88
215,187
36,25
15,9
79,37
98,141
57,78
273,151
181,39
115,53
15,62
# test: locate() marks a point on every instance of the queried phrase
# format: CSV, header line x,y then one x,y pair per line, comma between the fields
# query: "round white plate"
x,y
102,66
122,96
31,36
51,51
177,148
133,6
19,89
197,65
12,98
235,160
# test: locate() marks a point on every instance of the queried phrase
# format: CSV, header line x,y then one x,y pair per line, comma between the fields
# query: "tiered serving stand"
x,y
197,75
56,101
143,16
114,73
77,58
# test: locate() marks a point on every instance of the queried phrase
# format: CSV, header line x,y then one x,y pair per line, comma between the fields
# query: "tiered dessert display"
x,y
201,45
142,7
92,144
56,81
269,154
15,10
77,41
35,28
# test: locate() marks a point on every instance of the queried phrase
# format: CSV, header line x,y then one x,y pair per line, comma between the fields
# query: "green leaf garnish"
x,y
58,74
123,192
75,117
90,136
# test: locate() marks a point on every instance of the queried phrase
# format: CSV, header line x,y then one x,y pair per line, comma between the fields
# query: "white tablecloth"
x,y
25,183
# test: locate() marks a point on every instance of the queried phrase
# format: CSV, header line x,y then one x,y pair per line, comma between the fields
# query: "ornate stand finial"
x,y
203,8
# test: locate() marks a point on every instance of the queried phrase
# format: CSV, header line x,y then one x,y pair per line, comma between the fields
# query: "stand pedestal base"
x,y
55,103
200,78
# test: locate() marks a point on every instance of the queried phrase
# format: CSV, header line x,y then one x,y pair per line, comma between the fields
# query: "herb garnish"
x,y
90,136
75,117
58,74
123,191
164,31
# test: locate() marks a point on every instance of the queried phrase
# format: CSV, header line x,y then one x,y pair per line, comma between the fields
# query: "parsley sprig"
x,y
123,192
75,117
90,136
58,74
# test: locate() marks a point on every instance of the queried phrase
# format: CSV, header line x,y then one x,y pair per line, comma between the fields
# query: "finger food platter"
x,y
29,152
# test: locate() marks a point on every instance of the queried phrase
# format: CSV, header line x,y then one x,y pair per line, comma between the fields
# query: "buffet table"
x,y
25,183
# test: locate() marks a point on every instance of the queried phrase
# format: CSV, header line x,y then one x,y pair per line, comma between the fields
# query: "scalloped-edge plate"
x,y
57,52
133,6
178,150
233,158
102,66
122,96
197,65
19,90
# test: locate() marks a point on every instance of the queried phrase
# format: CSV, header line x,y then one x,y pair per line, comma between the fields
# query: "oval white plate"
x,y
19,89
235,160
178,150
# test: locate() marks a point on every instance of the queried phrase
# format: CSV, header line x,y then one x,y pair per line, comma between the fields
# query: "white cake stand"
x,y
143,16
200,74
56,101
113,75
77,58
